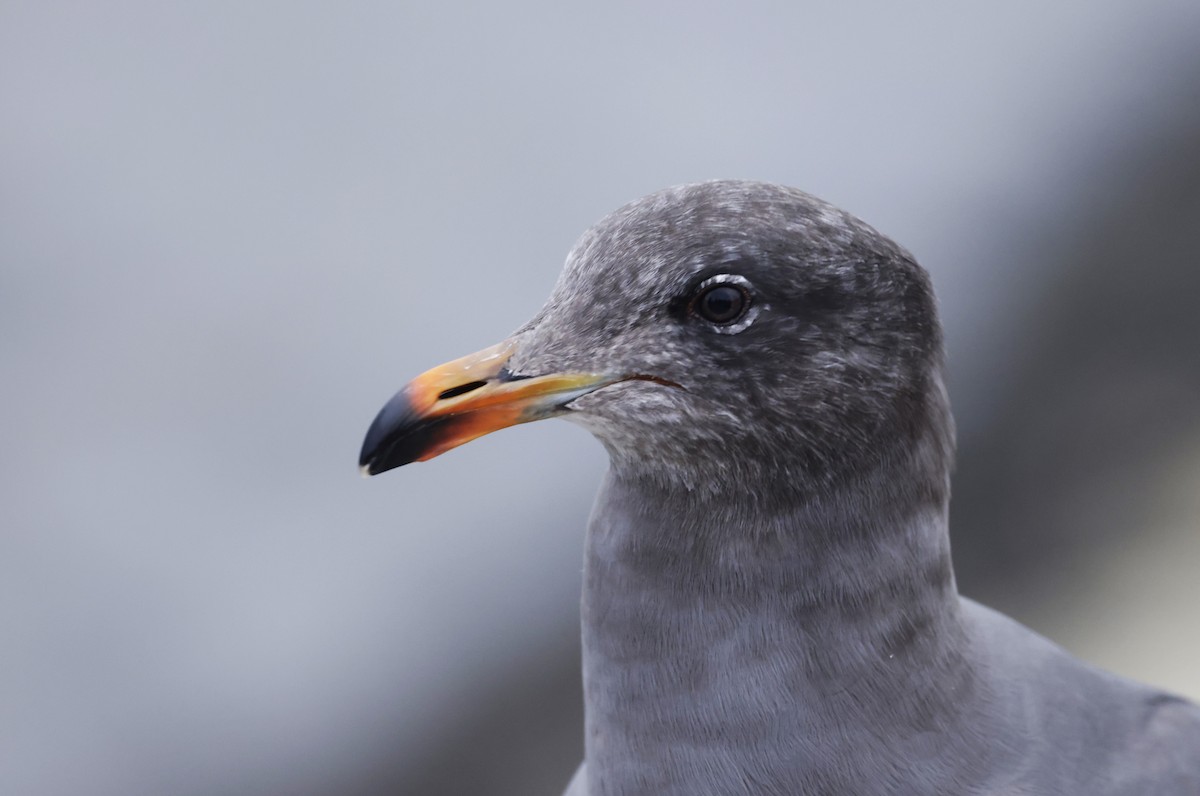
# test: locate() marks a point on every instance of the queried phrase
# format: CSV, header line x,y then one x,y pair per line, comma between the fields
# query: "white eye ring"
x,y
741,283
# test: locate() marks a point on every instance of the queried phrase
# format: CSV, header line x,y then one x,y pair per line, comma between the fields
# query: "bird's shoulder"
x,y
1164,756
1126,737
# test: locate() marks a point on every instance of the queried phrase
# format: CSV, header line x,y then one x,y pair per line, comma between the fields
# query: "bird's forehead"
x,y
665,239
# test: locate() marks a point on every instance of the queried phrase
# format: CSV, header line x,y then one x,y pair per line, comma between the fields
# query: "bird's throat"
x,y
721,642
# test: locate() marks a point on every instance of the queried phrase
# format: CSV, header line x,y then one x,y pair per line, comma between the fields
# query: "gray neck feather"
x,y
730,648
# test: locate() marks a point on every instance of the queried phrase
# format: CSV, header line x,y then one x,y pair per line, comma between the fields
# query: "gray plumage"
x,y
769,605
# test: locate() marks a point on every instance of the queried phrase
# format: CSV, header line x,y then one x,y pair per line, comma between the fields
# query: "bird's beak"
x,y
465,399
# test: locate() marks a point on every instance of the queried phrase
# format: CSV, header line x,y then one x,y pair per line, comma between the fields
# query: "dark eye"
x,y
722,303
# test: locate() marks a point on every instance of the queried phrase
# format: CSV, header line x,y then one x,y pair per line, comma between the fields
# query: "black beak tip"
x,y
397,436
377,448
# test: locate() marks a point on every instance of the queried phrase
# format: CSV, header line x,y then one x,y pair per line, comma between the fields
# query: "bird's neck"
x,y
727,644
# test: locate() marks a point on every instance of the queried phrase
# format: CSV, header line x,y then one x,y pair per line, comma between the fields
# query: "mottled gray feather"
x,y
769,604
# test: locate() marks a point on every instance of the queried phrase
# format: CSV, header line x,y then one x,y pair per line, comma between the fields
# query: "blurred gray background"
x,y
229,231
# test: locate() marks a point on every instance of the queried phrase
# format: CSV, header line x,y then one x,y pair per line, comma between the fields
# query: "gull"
x,y
769,604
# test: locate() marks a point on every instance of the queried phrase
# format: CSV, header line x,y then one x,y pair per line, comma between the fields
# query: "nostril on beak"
x,y
461,389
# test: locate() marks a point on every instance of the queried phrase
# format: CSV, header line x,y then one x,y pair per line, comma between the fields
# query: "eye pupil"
x,y
721,304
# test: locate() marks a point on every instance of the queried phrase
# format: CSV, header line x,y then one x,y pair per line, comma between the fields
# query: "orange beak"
x,y
465,399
